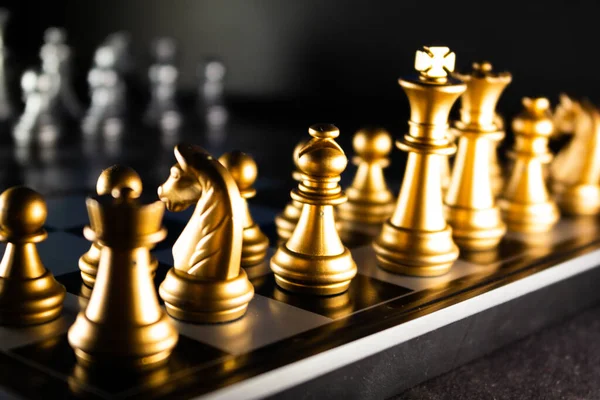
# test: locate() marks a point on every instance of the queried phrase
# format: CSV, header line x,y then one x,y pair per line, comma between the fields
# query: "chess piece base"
x,y
413,252
206,301
579,200
311,274
137,347
254,248
30,301
475,230
529,218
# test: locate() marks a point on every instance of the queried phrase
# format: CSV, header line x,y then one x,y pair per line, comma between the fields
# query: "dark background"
x,y
334,58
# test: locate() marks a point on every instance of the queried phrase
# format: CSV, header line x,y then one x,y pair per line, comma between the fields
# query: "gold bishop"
x,y
314,260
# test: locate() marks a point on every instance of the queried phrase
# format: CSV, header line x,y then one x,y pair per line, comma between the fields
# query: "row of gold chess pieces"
x,y
419,233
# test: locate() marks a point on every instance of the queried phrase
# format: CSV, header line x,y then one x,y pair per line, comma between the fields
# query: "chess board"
x,y
387,333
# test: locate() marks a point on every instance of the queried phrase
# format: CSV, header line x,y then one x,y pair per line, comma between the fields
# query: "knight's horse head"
x,y
182,189
566,114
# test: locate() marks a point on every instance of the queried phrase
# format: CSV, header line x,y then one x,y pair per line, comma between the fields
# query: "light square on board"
x,y
266,321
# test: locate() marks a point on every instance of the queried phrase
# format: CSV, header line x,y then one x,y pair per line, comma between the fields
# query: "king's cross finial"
x,y
435,62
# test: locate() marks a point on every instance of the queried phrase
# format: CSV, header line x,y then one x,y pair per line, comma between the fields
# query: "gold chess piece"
x,y
123,324
496,170
113,178
575,172
206,283
243,169
416,240
470,204
314,260
526,204
29,294
287,220
569,118
446,171
370,202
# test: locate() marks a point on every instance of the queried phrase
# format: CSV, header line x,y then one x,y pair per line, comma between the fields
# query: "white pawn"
x,y
56,59
38,120
107,91
163,111
6,107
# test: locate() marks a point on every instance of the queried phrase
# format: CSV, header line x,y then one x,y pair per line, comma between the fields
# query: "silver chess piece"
x,y
56,62
212,101
6,107
120,42
107,91
39,122
163,111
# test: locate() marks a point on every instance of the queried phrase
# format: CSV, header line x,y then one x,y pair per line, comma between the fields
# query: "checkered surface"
x,y
216,352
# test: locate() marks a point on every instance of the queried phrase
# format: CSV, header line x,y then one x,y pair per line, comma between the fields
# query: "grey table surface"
x,y
559,362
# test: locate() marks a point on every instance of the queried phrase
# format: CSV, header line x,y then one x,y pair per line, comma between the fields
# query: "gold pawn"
x,y
370,202
29,294
314,260
117,178
287,220
123,325
526,204
417,240
470,203
243,170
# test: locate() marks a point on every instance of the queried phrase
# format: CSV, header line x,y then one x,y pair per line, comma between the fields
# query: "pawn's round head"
x,y
23,211
119,181
372,143
242,168
322,156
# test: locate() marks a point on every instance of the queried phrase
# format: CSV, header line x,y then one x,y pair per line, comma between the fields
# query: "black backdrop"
x,y
343,57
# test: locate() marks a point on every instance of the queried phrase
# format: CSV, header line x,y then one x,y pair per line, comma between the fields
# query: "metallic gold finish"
x,y
333,307
314,260
244,171
123,324
446,170
287,220
575,172
206,283
470,204
526,204
416,240
84,376
496,170
29,294
370,202
115,179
